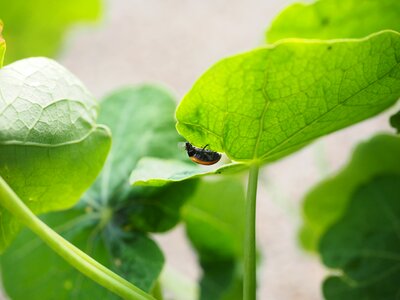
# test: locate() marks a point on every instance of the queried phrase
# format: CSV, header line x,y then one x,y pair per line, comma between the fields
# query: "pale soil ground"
x,y
175,41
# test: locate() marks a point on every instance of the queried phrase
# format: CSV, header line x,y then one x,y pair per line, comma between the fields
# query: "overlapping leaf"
x,y
267,103
51,148
152,171
118,215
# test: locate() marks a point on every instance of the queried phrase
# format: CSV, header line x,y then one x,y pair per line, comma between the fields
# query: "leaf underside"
x,y
267,103
47,125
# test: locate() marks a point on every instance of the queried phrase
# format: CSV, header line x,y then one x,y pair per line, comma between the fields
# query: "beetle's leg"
x,y
204,148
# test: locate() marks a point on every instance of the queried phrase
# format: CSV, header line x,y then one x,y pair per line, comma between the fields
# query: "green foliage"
x,y
36,27
152,171
327,202
117,217
330,19
214,223
364,244
142,123
267,103
29,267
47,125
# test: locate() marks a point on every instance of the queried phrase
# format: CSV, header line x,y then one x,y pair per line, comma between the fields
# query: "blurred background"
x,y
173,42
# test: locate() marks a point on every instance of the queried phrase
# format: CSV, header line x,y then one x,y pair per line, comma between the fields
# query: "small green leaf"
x,y
330,19
395,121
214,223
151,171
364,244
29,267
327,202
2,45
37,27
267,103
47,125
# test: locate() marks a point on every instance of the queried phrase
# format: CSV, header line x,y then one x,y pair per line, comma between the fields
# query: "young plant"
x,y
255,107
262,105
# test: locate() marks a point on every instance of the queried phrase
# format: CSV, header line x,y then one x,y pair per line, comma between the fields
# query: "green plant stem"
x,y
157,291
249,280
74,256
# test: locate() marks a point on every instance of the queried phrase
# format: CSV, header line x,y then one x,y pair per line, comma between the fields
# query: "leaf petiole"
x,y
249,280
74,256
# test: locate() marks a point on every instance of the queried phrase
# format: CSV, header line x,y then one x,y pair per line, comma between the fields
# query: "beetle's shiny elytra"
x,y
202,155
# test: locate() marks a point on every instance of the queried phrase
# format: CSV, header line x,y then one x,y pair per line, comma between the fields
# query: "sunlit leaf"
x,y
267,103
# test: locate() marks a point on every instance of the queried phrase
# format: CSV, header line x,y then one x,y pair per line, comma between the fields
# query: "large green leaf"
x,y
2,45
329,19
29,267
51,148
37,27
365,244
214,221
327,202
267,103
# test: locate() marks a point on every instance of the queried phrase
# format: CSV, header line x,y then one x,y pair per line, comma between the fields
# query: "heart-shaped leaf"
x,y
365,244
267,103
330,19
51,148
327,202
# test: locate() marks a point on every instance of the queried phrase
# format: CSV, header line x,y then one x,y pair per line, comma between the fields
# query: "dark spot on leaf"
x,y
329,48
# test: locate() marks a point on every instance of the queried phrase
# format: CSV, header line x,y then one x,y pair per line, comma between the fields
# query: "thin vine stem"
x,y
74,256
249,280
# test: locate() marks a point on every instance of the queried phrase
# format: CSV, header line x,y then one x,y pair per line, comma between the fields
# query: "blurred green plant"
x,y
328,201
334,19
37,27
214,222
365,243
